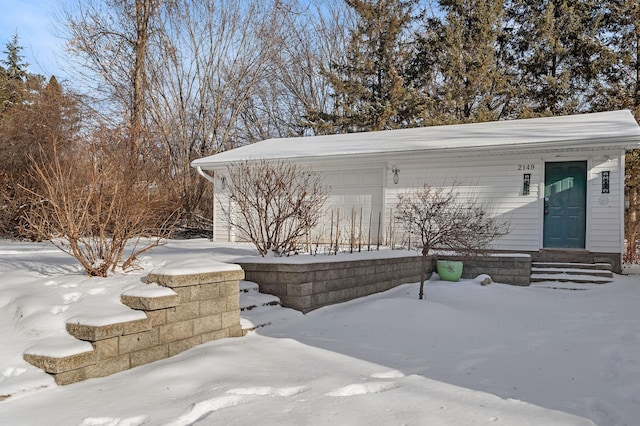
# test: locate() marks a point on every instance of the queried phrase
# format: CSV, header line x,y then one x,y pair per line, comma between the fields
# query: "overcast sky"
x,y
33,21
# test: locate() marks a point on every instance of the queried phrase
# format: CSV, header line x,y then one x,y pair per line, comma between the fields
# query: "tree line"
x,y
167,81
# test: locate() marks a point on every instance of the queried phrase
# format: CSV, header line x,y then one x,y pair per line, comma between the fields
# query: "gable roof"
x,y
615,129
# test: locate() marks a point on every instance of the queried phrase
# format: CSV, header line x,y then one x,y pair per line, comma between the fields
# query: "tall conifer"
x,y
557,47
368,84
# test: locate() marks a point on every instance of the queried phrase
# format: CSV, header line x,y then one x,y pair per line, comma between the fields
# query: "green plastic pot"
x,y
449,270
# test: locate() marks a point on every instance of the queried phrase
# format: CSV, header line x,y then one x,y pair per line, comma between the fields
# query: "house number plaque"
x,y
526,167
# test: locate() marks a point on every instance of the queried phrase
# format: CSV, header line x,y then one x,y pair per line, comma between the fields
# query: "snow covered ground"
x,y
469,355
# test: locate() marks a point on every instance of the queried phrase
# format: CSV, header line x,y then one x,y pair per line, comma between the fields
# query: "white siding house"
x,y
559,180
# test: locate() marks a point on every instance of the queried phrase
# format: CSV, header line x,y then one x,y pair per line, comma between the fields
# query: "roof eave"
x,y
623,142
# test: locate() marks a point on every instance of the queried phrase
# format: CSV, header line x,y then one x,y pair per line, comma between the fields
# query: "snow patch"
x,y
202,409
392,374
269,391
59,347
195,266
149,290
111,421
363,389
102,319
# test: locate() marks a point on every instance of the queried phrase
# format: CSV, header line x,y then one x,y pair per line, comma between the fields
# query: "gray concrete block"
x,y
137,341
148,355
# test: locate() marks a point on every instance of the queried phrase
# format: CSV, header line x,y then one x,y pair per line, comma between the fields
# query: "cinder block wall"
x,y
507,269
308,286
203,307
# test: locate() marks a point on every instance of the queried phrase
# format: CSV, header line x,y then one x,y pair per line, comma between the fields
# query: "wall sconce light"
x,y
526,184
223,182
396,177
605,182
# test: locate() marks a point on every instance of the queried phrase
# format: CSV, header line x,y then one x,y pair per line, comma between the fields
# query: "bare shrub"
x,y
441,218
275,204
94,206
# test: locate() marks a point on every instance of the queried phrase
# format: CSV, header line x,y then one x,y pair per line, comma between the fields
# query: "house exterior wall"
x,y
363,190
497,181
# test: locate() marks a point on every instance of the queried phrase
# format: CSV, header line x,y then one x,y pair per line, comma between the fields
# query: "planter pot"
x,y
449,270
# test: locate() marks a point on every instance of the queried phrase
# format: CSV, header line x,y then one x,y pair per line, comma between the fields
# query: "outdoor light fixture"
x,y
396,177
526,184
605,182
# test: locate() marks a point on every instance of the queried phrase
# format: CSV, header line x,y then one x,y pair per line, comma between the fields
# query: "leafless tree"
x,y
441,218
210,58
275,203
312,35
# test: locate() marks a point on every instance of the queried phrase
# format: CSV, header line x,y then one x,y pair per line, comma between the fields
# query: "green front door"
x,y
565,193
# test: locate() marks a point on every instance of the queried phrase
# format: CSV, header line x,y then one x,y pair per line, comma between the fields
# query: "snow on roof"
x,y
615,128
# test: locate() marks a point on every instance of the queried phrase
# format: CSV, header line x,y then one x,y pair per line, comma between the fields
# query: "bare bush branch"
x,y
440,218
94,207
275,203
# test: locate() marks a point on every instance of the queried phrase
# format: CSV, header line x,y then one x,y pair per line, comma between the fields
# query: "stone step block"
x,y
61,364
213,273
93,333
150,303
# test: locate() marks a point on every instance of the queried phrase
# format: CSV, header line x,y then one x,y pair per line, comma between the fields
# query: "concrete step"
x,y
266,316
253,300
248,287
580,273
556,285
566,265
573,271
585,279
259,310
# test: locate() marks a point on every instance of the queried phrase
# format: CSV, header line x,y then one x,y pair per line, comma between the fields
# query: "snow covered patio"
x,y
468,355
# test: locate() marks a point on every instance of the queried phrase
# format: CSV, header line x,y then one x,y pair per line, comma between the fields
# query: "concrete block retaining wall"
x,y
308,286
201,307
506,269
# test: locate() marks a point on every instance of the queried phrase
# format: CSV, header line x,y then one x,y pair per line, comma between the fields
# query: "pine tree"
x,y
557,47
620,89
13,76
368,85
459,52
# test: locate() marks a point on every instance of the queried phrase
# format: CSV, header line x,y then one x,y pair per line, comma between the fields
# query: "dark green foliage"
x,y
557,50
457,64
13,76
368,84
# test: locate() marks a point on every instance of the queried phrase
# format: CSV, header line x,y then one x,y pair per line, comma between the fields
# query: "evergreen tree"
x,y
13,76
368,85
459,52
557,47
620,89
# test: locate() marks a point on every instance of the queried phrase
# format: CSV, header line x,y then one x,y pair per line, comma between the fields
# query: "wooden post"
x,y
331,233
353,230
379,227
360,232
337,229
369,234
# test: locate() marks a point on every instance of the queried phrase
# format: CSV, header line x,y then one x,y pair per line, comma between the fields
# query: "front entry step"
x,y
259,310
580,273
